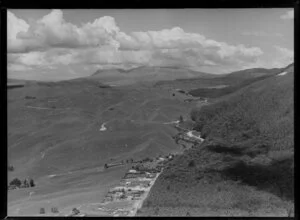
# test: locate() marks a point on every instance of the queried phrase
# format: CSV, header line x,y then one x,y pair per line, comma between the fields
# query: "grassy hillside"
x,y
54,135
235,81
245,167
214,85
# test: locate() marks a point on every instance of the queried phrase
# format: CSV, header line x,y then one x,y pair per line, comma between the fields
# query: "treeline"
x,y
17,183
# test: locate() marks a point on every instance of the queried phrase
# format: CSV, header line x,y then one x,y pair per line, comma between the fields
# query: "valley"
x,y
63,134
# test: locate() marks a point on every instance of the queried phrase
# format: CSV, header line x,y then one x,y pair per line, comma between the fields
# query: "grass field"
x,y
57,132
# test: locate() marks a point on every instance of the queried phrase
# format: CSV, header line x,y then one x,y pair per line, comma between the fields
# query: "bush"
x,y
75,211
156,211
31,183
10,168
42,211
25,183
16,182
54,210
192,163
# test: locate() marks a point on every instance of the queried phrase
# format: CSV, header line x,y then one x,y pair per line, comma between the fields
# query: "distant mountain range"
x,y
118,76
144,74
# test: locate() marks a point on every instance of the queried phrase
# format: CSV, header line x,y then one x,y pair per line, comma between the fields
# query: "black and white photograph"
x,y
150,112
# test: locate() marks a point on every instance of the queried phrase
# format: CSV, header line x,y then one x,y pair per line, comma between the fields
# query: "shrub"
x,y
42,211
10,168
75,211
31,183
25,183
16,182
180,118
156,211
191,163
54,210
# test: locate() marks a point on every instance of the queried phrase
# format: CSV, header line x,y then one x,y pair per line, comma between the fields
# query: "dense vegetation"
x,y
245,166
259,116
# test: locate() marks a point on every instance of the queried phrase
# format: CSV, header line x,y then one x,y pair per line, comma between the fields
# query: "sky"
x,y
64,44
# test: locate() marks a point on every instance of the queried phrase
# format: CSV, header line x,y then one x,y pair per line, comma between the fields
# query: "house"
x,y
132,171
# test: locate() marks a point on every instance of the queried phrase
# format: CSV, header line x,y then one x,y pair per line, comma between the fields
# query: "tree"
x,y
54,210
42,211
180,119
10,168
25,183
16,182
31,183
75,211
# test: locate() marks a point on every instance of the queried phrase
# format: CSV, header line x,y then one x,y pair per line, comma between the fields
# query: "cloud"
x,y
261,34
284,57
288,15
53,31
52,41
15,26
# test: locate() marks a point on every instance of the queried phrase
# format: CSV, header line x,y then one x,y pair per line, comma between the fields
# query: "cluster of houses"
x,y
134,185
187,135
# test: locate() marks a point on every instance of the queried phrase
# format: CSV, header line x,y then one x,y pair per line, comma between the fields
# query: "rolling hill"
x,y
54,136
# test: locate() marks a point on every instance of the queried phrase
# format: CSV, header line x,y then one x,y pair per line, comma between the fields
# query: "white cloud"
x,y
281,58
14,27
52,41
53,31
284,57
288,15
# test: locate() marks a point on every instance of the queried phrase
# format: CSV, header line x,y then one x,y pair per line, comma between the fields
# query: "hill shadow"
x,y
234,151
276,178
